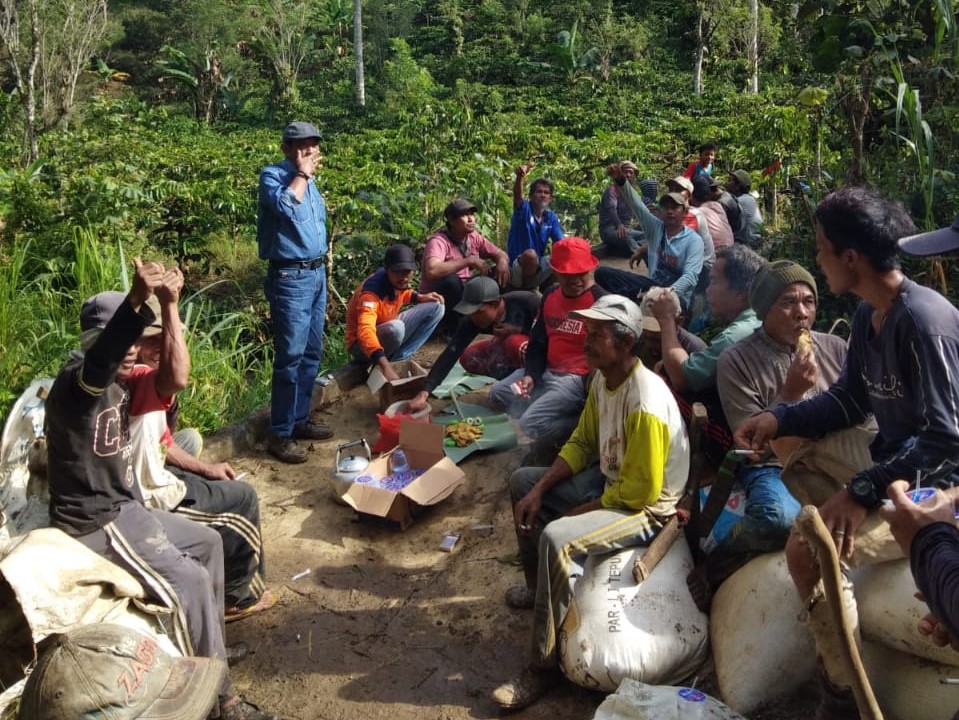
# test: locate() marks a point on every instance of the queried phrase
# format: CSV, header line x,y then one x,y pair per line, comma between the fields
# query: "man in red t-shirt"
x,y
553,381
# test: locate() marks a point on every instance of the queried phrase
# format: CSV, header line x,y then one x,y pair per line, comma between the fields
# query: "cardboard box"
x,y
412,376
423,445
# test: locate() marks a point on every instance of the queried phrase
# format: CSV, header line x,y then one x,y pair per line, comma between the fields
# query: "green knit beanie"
x,y
772,279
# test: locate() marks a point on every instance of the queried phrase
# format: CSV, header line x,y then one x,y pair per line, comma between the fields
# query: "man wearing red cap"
x,y
556,368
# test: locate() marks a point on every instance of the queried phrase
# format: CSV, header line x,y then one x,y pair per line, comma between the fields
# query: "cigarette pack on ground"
x,y
412,376
449,542
423,445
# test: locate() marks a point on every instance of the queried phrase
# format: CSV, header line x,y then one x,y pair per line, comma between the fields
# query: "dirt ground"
x,y
387,626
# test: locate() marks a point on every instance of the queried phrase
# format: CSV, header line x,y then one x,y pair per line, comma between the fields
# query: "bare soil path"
x,y
386,625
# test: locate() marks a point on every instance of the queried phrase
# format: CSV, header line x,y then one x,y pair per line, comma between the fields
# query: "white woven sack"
x,y
616,629
761,649
907,687
889,612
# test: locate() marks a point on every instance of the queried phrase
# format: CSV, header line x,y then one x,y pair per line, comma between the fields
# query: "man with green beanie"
x,y
769,367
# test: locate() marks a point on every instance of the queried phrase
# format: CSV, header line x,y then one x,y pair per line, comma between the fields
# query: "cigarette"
x,y
241,476
301,575
744,451
949,681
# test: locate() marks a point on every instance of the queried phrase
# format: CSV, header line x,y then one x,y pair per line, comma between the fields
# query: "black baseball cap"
x,y
477,291
399,258
934,242
458,208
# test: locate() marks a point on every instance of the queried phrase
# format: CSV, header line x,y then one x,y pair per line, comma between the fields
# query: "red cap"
x,y
572,256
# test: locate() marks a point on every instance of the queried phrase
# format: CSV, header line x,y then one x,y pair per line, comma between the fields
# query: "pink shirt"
x,y
719,227
442,247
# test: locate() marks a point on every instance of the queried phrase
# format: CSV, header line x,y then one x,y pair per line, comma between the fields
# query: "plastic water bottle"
x,y
399,461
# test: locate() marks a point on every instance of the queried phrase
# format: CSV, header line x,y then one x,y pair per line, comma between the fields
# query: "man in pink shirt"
x,y
719,227
455,253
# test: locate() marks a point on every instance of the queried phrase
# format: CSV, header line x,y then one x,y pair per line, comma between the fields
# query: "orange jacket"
x,y
374,302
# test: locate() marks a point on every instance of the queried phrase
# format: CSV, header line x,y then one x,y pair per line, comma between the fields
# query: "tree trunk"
x,y
33,146
754,46
358,52
700,52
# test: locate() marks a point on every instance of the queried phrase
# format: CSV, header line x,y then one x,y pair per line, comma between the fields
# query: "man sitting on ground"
x,y
457,252
770,366
751,223
533,227
693,375
207,495
507,317
614,485
377,331
553,380
713,213
616,217
93,497
674,253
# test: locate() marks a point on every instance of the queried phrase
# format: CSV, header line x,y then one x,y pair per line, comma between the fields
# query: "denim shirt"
x,y
673,261
287,228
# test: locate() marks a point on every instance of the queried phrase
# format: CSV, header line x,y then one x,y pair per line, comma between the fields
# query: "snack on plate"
x,y
466,432
804,342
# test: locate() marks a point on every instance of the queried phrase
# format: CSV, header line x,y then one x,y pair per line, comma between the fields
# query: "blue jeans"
x,y
769,513
406,334
297,298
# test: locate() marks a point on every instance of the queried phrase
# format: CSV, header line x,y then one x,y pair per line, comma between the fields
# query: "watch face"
x,y
862,488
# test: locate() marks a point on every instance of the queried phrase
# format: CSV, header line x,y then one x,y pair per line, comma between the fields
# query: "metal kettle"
x,y
349,467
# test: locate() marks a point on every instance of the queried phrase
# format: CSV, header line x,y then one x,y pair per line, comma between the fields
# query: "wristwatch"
x,y
864,492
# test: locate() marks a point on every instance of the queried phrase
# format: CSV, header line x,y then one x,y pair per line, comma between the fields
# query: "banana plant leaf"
x,y
498,432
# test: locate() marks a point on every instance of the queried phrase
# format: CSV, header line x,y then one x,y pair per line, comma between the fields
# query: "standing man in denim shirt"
x,y
291,232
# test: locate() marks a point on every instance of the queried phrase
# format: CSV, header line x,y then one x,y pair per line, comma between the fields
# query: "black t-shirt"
x,y
88,436
521,309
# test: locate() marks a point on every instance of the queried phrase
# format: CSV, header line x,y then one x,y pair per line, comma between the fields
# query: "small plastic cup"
x,y
917,496
690,704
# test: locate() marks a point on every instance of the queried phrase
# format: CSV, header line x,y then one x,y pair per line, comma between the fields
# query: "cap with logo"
x,y
477,291
399,258
934,242
104,670
458,208
299,130
615,308
572,256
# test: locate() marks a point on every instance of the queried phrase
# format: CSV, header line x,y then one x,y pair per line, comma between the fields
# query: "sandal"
x,y
267,600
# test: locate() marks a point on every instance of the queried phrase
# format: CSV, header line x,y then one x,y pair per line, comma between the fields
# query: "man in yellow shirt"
x,y
614,485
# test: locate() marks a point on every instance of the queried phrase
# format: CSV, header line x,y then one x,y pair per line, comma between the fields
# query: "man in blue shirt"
x,y
674,253
531,229
291,232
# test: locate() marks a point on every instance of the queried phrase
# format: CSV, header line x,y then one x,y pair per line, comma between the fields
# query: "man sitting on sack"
x,y
615,484
903,353
507,317
378,330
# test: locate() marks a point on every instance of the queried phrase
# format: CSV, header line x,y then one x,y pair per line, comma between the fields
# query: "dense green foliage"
x,y
182,104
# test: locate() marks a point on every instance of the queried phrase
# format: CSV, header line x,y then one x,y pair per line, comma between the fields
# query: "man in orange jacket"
x,y
378,330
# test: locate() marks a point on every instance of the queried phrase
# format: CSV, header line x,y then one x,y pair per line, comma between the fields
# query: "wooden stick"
x,y
814,530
